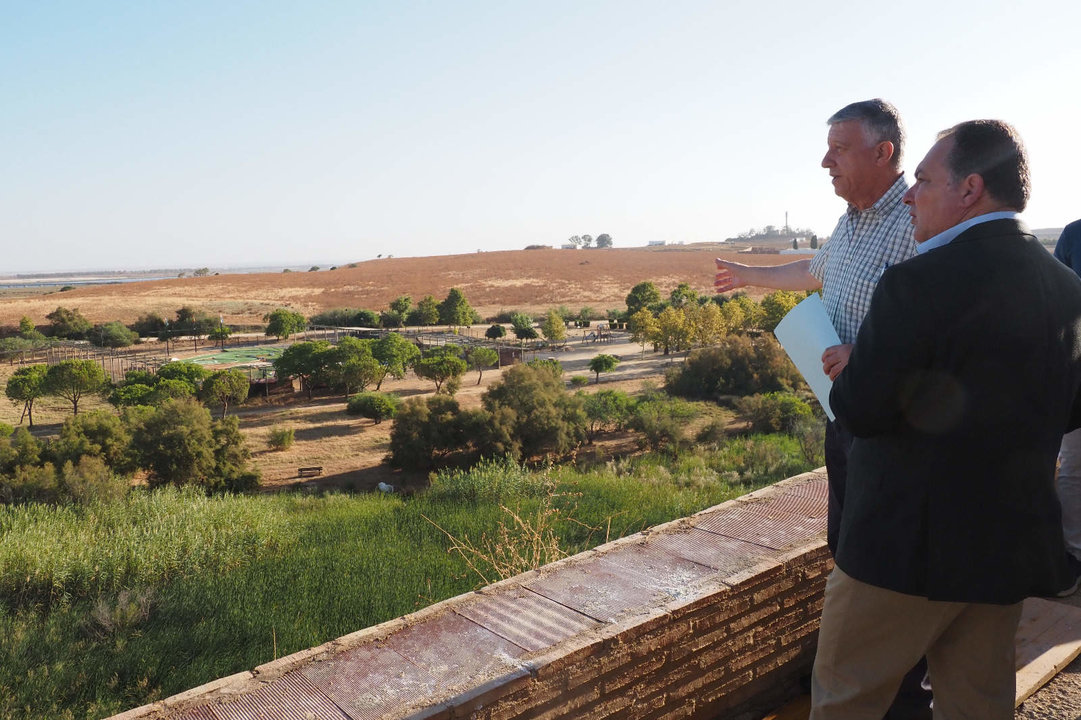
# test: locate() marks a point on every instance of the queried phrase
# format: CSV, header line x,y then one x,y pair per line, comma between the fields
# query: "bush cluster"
x,y
93,458
281,438
373,405
739,365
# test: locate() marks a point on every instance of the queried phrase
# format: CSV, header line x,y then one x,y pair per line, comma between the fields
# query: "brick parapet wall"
x,y
708,616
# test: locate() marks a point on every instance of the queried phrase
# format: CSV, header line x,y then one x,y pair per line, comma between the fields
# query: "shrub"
x,y
31,484
663,423
346,317
532,412
91,480
579,381
176,444
607,409
774,412
281,438
522,326
425,430
21,448
113,335
490,480
96,434
391,319
738,366
712,434
231,471
122,616
375,406
762,458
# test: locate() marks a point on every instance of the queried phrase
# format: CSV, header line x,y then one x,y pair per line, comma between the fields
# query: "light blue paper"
x,y
805,333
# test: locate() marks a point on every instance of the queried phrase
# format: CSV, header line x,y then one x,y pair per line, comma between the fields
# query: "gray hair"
x,y
880,120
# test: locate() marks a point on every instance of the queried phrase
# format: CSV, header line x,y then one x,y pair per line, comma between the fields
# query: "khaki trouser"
x,y
871,637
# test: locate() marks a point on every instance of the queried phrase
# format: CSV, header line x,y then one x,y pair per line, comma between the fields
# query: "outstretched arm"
x,y
790,276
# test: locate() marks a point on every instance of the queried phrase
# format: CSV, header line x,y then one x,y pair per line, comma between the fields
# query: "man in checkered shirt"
x,y
864,159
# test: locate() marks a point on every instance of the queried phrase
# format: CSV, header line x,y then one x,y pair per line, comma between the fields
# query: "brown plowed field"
x,y
527,280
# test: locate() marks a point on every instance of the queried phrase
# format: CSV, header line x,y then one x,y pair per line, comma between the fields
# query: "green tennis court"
x,y
238,356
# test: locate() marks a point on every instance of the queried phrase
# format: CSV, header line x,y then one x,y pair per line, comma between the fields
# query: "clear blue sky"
x,y
223,134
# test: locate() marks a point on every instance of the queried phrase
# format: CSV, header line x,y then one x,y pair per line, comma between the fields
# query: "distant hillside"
x,y
529,280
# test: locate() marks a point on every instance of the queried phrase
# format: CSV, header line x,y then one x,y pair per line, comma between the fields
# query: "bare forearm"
x,y
790,276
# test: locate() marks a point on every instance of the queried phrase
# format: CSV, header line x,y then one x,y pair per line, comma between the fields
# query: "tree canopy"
x,y
395,355
72,379
443,366
225,387
603,363
283,322
68,324
481,358
553,327
309,361
26,385
455,309
642,295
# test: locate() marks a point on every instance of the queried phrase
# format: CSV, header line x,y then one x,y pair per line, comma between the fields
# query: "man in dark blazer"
x,y
964,375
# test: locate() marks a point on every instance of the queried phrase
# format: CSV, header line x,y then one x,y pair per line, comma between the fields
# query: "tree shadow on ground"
x,y
322,432
362,480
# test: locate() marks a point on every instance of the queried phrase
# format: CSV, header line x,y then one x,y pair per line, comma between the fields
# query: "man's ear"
x,y
884,153
972,190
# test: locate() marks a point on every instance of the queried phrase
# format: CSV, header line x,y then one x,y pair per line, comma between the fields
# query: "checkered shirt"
x,y
863,245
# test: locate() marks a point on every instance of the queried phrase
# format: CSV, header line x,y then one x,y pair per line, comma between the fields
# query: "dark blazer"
x,y
964,376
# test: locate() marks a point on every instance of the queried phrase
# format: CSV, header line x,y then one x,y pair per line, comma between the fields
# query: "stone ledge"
x,y
560,640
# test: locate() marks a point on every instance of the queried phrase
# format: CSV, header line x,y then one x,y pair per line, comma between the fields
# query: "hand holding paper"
x,y
805,333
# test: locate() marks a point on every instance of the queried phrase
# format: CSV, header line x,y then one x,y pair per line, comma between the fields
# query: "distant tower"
x,y
786,230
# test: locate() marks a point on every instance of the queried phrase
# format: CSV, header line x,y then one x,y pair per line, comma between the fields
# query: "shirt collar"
x,y
889,198
946,236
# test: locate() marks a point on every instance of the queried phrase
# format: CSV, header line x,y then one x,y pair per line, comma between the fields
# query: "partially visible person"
x,y
1068,250
964,375
864,152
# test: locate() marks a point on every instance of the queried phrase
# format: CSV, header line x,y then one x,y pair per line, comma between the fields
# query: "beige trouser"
x,y
871,637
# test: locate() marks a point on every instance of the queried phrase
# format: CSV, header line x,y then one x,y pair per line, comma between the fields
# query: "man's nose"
x,y
909,196
827,160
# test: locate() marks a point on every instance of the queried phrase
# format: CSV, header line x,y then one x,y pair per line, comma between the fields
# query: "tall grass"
x,y
51,555
109,607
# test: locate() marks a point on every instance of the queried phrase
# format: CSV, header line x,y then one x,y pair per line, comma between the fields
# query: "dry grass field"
x,y
528,280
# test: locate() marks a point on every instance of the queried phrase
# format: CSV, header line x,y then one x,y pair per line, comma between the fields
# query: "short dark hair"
x,y
993,150
880,119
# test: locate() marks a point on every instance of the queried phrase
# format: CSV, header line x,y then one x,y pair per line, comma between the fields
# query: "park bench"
x,y
310,471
